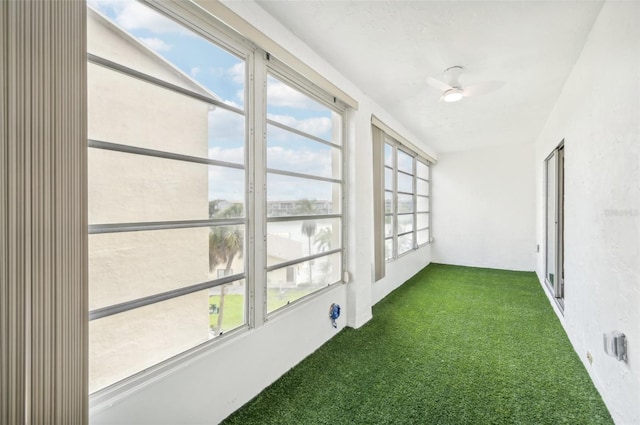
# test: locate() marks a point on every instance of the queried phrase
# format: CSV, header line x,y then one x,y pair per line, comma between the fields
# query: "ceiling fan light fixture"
x,y
452,95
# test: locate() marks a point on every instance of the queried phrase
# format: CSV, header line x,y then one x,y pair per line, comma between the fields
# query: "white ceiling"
x,y
389,48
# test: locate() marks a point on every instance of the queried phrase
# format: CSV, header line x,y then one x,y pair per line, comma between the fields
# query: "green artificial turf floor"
x,y
454,345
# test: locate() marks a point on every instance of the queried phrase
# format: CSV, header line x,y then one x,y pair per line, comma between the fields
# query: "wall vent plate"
x,y
615,344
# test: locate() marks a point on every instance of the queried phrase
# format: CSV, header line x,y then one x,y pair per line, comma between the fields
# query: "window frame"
x,y
155,153
396,147
284,74
257,62
554,224
428,197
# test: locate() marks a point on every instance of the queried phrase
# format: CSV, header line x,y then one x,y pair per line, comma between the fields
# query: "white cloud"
x,y
232,103
233,74
226,183
306,161
156,44
237,73
226,129
234,155
240,95
106,4
317,126
282,188
194,71
280,94
135,15
132,15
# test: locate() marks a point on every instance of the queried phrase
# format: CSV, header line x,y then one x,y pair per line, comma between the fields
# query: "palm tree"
x,y
309,227
214,207
225,243
323,239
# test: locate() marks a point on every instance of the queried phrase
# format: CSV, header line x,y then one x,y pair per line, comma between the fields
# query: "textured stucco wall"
x,y
598,116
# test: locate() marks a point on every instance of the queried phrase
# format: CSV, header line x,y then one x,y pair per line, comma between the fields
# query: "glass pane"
x,y
291,240
422,170
388,202
294,109
405,183
125,188
129,188
405,203
423,203
388,155
167,50
388,179
120,345
221,208
125,266
551,220
130,265
226,251
388,226
405,162
405,243
290,152
288,284
388,249
288,196
405,223
227,305
423,236
423,187
226,136
226,192
172,122
423,221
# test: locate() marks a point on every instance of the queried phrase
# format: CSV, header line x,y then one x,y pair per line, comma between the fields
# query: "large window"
x,y
304,194
406,200
179,140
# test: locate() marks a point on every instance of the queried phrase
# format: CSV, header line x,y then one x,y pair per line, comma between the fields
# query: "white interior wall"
x,y
484,208
598,116
399,271
217,381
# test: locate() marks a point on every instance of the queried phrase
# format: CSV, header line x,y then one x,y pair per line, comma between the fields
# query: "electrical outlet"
x,y
589,357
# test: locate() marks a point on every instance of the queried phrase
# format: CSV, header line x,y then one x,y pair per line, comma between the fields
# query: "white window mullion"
x,y
430,237
258,163
400,168
395,201
415,202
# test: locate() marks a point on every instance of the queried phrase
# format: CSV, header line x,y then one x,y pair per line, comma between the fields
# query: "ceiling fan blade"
x,y
437,84
482,88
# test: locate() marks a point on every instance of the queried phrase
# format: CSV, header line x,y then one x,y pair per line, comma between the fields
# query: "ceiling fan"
x,y
453,91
